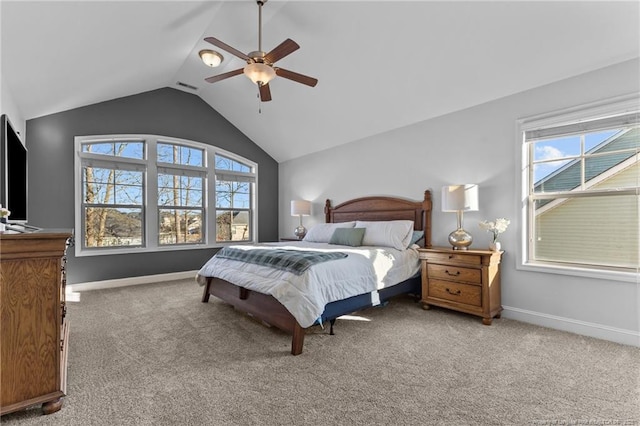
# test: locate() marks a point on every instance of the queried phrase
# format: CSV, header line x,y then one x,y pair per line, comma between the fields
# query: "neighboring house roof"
x,y
568,177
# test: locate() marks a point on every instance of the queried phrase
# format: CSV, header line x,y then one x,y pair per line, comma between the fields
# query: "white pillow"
x,y
393,233
322,232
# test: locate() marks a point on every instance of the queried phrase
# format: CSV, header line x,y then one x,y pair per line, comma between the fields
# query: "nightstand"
x,y
463,280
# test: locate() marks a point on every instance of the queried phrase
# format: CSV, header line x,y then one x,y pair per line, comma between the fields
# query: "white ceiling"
x,y
381,65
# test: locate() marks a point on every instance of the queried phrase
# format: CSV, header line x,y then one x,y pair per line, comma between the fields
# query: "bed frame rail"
x,y
259,305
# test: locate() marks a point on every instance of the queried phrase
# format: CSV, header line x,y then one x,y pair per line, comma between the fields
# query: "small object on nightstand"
x,y
466,281
460,198
300,208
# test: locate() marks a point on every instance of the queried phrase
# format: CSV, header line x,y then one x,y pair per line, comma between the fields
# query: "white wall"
x,y
7,102
8,106
477,145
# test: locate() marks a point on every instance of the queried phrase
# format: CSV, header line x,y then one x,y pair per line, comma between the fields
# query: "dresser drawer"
x,y
472,259
452,272
461,293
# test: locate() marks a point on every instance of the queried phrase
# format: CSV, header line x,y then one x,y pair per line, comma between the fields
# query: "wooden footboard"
x,y
260,305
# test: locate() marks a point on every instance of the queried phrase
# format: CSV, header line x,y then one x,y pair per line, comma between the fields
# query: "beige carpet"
x,y
156,355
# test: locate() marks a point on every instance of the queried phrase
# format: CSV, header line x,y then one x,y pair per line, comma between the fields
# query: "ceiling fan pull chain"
x,y
259,104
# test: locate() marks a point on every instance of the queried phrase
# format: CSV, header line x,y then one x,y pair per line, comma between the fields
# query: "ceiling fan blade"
x,y
224,75
265,93
283,49
225,46
298,78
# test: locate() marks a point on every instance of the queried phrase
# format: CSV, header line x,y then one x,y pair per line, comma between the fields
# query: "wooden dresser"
x,y
464,280
33,331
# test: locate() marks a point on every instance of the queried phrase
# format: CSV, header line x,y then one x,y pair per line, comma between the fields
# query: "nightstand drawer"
x,y
454,258
461,293
452,272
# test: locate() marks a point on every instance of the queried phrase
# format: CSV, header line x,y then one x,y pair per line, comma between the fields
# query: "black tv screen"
x,y
13,176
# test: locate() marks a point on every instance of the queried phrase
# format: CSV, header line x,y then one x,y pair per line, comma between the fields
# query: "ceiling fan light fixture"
x,y
211,57
259,73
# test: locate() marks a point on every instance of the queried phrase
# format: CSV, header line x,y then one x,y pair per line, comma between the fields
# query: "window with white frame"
x,y
233,199
581,182
145,193
181,177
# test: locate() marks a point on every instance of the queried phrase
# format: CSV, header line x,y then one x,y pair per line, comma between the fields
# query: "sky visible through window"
x,y
230,194
551,155
128,149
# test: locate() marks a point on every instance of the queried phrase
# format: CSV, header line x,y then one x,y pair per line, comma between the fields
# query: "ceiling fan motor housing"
x,y
258,56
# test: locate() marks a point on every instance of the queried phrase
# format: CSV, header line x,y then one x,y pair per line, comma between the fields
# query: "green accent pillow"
x,y
347,237
415,237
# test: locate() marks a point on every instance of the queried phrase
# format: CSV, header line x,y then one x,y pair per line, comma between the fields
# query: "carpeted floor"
x,y
155,355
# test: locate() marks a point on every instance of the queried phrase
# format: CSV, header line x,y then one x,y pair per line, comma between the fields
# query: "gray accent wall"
x,y
166,112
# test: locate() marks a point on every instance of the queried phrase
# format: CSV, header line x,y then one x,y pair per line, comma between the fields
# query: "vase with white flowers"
x,y
4,214
496,227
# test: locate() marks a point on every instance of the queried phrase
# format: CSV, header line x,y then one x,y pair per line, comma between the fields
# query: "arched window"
x,y
147,193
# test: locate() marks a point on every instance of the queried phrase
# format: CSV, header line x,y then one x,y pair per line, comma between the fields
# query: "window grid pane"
x,y
180,226
233,225
112,227
126,149
180,154
180,191
231,194
224,163
590,230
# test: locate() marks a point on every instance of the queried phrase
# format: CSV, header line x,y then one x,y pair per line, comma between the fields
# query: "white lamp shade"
x,y
258,72
460,198
300,208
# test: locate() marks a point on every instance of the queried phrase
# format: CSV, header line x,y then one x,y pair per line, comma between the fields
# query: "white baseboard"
x,y
599,331
123,282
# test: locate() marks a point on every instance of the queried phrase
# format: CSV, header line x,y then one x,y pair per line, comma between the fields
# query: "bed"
x,y
269,309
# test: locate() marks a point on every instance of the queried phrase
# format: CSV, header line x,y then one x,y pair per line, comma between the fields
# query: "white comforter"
x,y
364,270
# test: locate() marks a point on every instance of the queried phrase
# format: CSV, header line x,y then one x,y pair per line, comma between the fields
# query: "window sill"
x,y
135,250
610,275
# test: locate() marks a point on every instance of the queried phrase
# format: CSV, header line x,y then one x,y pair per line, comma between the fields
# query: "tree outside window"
x,y
180,195
143,193
112,197
234,181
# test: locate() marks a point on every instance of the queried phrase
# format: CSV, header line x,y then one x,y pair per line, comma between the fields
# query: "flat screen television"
x,y
13,172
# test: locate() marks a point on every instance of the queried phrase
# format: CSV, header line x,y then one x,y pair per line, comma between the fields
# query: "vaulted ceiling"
x,y
381,65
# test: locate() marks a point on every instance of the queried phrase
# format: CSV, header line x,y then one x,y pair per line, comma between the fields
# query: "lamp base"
x,y
300,232
460,239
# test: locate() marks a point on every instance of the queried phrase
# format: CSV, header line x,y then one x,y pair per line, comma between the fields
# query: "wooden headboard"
x,y
384,208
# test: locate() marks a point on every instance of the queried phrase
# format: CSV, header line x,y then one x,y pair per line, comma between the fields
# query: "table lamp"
x,y
460,198
300,208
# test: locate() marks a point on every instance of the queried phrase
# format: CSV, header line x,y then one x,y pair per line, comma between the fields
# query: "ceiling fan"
x,y
260,65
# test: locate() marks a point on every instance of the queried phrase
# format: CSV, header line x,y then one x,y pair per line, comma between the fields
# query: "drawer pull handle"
x,y
450,274
455,293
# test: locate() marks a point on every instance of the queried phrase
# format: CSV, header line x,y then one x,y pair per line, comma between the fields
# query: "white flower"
x,y
496,227
4,212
